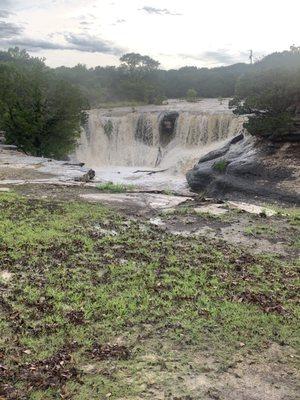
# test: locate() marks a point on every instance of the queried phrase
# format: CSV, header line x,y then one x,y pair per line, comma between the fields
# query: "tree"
x,y
39,113
269,98
135,61
191,95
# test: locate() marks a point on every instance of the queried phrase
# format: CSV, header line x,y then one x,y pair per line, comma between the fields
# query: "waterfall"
x,y
143,137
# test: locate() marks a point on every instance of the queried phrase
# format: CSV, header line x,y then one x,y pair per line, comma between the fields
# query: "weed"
x,y
220,165
261,230
114,187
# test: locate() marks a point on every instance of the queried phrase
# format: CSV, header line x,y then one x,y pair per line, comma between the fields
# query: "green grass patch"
x,y
115,187
261,230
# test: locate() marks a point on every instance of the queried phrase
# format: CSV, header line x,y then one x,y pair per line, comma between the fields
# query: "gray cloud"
x,y
4,13
83,43
8,30
34,44
92,44
158,11
221,56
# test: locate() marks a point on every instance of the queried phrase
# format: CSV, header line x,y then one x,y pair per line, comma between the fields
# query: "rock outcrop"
x,y
87,177
249,166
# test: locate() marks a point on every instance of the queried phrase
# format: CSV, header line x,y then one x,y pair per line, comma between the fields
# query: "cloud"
x,y
92,44
8,30
158,11
31,44
83,43
6,4
118,22
4,13
221,56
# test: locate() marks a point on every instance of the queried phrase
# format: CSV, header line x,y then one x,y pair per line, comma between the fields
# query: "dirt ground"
x,y
26,174
278,234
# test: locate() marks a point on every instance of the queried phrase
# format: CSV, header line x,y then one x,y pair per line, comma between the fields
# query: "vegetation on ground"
x,y
114,187
96,305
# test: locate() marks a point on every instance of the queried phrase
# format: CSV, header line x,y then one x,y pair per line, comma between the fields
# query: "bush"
x,y
191,95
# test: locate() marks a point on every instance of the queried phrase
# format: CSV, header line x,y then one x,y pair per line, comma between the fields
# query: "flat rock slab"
x,y
251,208
214,209
157,222
144,200
219,209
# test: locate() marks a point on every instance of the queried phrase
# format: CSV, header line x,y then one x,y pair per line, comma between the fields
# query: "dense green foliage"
x,y
270,94
39,113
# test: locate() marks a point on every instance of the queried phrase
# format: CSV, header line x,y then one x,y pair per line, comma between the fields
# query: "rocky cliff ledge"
x,y
252,167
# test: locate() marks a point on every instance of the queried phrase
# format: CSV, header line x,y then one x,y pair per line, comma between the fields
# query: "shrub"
x,y
191,95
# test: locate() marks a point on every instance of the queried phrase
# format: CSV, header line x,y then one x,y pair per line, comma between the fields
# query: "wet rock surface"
x,y
144,201
250,167
16,166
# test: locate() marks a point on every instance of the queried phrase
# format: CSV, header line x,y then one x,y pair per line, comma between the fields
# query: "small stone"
x,y
89,368
5,276
214,209
156,222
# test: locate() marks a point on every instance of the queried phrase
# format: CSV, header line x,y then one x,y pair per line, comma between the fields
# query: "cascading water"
x,y
169,137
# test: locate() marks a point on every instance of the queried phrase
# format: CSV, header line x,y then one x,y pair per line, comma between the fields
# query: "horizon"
x,y
97,33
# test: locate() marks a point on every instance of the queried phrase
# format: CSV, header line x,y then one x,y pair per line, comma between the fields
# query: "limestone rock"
x,y
249,166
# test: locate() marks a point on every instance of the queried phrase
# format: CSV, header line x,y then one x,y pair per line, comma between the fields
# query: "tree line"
x,y
139,79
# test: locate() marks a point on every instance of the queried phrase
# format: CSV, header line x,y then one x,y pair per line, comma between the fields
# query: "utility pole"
x,y
251,56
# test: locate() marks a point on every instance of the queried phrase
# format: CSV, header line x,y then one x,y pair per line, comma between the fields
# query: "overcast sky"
x,y
205,33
